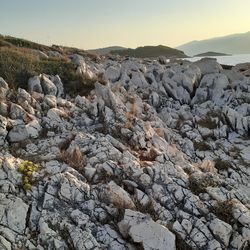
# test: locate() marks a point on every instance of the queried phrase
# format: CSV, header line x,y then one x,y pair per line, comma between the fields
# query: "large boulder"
x,y
34,84
221,230
18,133
13,213
142,229
208,66
59,85
114,194
213,87
49,88
16,112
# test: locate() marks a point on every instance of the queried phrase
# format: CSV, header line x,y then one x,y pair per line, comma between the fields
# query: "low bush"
x,y
202,146
27,168
224,211
222,164
199,185
74,159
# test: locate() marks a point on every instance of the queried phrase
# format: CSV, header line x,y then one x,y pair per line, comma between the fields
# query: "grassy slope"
x,y
18,62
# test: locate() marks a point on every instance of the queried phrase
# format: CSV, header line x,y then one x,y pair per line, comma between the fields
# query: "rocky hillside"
x,y
156,156
151,52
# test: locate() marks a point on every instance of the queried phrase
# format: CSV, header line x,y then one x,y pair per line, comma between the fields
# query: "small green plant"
x,y
27,168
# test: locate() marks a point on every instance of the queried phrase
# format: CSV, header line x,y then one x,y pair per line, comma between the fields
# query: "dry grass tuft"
x,y
74,159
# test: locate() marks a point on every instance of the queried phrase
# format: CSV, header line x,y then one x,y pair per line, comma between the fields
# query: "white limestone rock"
x,y
13,213
33,129
16,111
48,86
208,66
34,85
18,133
116,195
221,230
144,230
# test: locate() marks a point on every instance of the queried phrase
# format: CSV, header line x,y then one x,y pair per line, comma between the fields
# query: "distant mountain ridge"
x,y
107,50
151,52
231,44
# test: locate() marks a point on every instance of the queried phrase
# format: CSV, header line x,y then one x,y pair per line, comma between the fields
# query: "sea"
x,y
227,60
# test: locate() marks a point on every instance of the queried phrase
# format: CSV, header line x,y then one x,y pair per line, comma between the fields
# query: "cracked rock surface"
x,y
157,156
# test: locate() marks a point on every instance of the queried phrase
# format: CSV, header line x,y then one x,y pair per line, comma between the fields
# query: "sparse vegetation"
x,y
181,244
212,119
201,146
199,185
27,169
74,159
18,64
221,164
223,210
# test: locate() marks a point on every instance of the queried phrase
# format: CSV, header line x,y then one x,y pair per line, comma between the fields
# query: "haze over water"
x,y
227,60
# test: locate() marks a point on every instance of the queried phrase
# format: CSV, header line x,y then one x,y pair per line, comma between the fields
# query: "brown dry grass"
x,y
74,159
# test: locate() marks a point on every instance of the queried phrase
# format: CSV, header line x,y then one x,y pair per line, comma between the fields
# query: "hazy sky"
x,y
130,23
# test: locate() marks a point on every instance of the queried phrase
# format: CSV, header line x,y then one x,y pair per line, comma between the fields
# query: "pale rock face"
x,y
109,98
3,84
212,87
23,95
222,230
236,119
16,112
116,195
4,244
112,74
208,66
155,100
33,129
144,230
34,85
59,85
83,68
3,131
18,133
48,86
245,153
51,101
175,90
13,213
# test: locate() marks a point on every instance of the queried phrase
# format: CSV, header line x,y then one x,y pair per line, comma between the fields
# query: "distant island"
x,y
211,53
151,52
107,50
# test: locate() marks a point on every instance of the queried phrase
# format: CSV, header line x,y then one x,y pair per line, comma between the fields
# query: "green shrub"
x,y
27,168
